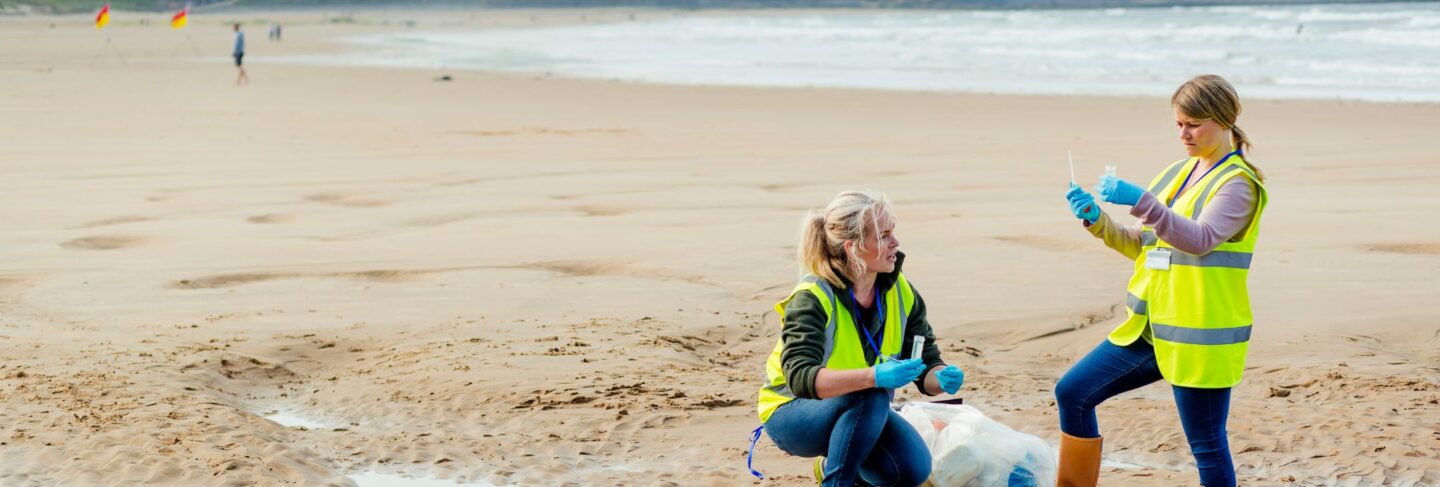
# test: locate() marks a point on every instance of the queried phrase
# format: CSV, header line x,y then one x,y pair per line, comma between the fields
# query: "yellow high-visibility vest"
x,y
1197,312
844,348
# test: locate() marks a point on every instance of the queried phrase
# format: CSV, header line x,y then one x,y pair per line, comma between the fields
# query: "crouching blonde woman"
x,y
848,328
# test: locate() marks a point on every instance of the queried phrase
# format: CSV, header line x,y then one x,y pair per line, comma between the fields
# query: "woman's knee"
x,y
905,452
872,400
1071,392
902,467
916,470
1212,459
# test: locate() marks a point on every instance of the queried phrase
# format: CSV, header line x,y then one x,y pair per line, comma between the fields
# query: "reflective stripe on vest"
x,y
1198,309
1164,180
1216,258
1135,304
1202,336
844,348
829,327
783,390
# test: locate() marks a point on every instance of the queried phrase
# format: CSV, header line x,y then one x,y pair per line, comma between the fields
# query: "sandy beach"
x,y
530,280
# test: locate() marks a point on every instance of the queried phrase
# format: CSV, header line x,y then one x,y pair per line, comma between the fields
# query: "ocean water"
x,y
1376,52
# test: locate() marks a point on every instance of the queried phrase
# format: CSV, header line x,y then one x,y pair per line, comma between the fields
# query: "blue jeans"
x,y
863,441
1110,369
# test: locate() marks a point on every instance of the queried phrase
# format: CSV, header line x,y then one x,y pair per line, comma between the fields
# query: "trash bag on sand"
x,y
971,450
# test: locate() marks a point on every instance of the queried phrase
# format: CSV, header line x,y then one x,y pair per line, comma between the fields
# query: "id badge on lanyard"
x,y
1157,259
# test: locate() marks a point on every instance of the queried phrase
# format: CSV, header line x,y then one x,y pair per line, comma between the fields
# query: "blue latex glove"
x,y
896,373
951,377
1082,204
1118,191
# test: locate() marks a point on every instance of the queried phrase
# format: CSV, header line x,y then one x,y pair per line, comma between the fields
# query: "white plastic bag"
x,y
971,450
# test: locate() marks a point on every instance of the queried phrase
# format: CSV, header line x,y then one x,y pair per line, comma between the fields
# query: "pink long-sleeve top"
x,y
1226,217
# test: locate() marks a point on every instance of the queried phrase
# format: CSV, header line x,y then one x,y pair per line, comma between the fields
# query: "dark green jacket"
x,y
804,333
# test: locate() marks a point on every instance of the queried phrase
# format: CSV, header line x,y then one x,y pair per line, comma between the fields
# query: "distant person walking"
x,y
241,78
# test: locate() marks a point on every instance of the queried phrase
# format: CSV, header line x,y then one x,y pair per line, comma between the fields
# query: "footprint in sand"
x,y
577,268
461,182
240,279
12,281
587,268
599,210
345,200
116,221
1406,248
105,242
230,280
441,220
271,218
1039,242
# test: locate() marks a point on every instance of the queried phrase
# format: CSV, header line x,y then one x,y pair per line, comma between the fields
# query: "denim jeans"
x,y
863,441
1110,369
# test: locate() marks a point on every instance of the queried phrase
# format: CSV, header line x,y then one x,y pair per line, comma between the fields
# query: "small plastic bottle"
x,y
1110,177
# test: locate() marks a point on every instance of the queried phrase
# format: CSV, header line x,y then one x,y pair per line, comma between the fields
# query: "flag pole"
x,y
179,21
102,19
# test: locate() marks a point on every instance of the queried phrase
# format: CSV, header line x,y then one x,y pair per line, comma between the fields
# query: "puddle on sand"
x,y
291,420
374,479
367,479
1120,465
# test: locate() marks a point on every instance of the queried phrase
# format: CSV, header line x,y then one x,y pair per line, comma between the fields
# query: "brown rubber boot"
x,y
1079,462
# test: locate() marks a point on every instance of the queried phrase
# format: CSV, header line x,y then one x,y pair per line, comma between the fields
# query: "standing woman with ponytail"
x,y
1188,309
845,345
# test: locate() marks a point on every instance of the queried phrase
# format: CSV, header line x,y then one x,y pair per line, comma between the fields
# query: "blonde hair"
x,y
1210,97
850,217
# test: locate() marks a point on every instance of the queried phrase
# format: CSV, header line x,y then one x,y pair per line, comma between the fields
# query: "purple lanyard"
x,y
1202,176
864,330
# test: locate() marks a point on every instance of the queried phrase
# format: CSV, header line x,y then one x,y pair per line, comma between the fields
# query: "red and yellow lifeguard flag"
x,y
103,17
180,18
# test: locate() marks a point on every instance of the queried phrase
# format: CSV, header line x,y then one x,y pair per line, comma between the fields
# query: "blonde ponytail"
x,y
814,252
1242,143
850,216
